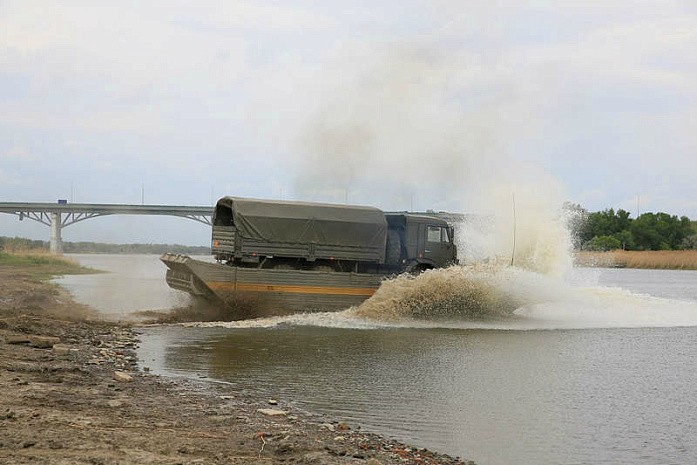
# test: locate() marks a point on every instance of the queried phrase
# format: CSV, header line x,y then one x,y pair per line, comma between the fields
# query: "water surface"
x,y
596,368
128,283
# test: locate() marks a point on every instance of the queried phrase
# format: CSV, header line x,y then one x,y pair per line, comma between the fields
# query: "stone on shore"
x,y
272,412
122,377
43,342
61,349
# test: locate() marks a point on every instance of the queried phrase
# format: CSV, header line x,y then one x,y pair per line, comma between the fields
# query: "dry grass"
x,y
650,259
33,256
39,264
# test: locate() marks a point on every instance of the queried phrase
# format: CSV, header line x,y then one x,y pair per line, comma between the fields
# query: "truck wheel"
x,y
418,268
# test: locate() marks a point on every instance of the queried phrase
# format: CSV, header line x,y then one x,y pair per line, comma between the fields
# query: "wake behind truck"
x,y
275,257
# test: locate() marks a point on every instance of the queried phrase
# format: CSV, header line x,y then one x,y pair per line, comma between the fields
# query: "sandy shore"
x,y
72,391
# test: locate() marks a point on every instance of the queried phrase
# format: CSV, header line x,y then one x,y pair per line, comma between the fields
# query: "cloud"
x,y
12,181
592,197
16,152
424,108
214,16
596,96
96,67
418,117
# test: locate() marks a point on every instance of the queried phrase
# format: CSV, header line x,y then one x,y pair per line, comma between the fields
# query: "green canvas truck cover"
x,y
304,222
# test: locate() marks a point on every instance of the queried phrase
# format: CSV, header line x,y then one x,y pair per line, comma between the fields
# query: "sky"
x,y
403,105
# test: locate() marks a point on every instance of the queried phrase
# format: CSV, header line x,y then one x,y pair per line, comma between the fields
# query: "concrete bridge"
x,y
62,214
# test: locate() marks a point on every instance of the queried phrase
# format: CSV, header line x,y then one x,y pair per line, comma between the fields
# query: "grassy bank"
x,y
649,259
39,264
19,243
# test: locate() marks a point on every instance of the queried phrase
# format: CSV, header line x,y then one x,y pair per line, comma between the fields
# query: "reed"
x,y
648,259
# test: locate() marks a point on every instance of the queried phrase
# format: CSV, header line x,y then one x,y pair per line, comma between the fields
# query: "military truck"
x,y
275,257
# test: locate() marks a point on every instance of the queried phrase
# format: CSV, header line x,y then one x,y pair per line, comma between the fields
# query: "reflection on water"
x,y
497,397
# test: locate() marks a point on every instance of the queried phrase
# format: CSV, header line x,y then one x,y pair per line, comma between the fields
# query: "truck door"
x,y
439,245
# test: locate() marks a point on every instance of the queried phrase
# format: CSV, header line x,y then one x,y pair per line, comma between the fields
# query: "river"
x,y
597,367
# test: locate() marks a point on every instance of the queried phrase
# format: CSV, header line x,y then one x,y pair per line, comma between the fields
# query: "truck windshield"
x,y
445,235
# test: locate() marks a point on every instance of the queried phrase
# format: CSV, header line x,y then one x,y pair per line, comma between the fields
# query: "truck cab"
x,y
425,242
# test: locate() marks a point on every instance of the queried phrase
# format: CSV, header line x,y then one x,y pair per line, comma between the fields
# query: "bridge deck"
x,y
60,215
105,209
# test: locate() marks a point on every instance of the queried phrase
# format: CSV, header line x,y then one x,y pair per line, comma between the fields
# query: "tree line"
x,y
611,230
19,244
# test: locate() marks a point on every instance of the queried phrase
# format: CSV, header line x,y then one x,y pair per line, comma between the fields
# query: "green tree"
x,y
626,239
603,243
660,231
606,223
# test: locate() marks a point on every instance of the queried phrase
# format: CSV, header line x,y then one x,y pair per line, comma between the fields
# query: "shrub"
x,y
603,243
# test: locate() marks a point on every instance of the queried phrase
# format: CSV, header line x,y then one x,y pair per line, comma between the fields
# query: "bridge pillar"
x,y
56,242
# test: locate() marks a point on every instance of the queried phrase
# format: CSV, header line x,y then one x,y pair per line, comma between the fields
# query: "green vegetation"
x,y
20,244
97,247
38,265
603,243
611,230
31,259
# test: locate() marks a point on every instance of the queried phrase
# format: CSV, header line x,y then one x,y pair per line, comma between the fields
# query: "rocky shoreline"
x,y
72,391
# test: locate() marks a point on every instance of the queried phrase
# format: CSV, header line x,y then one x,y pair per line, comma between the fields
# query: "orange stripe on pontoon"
x,y
248,287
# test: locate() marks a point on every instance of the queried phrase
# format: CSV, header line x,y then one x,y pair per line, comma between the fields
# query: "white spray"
x,y
417,122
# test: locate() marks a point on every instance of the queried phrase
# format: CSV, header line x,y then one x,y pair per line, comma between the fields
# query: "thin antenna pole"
x,y
514,228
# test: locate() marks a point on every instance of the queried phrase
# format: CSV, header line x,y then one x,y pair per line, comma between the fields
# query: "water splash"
x,y
509,298
456,292
534,228
496,298
343,319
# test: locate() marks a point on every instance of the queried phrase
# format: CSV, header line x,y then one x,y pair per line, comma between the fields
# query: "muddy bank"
x,y
72,391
